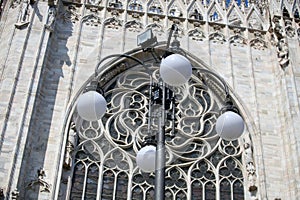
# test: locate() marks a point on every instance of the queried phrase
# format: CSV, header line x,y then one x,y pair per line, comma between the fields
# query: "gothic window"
x,y
175,12
135,5
196,15
155,9
199,165
214,17
115,4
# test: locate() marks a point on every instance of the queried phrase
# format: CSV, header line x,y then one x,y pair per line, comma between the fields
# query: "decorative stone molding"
x,y
40,182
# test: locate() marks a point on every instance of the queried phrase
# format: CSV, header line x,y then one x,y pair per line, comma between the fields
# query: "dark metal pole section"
x,y
160,153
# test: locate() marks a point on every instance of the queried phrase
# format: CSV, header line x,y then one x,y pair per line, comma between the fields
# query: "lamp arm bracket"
x,y
116,55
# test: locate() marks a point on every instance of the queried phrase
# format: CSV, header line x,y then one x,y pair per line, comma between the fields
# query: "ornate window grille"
x,y
199,164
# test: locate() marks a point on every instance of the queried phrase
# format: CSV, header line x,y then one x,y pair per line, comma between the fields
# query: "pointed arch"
x,y
234,16
195,11
255,20
215,12
192,144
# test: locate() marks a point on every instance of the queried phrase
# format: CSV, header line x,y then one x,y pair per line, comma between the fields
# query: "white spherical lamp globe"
x,y
145,158
230,126
91,106
175,70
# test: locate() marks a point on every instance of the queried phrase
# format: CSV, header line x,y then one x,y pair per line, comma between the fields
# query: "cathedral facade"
x,y
52,52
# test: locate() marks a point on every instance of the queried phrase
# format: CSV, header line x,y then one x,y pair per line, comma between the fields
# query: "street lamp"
x,y
175,70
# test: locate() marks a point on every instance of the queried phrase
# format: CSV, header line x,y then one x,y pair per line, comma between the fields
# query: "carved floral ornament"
x,y
111,144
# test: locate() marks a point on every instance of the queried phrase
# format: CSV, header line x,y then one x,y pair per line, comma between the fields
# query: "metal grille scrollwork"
x,y
199,164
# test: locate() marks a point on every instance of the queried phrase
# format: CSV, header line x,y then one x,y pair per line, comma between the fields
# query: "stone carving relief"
x,y
71,143
258,42
250,167
40,182
70,15
237,39
277,28
24,14
217,36
91,20
279,38
51,18
196,34
113,23
283,53
156,28
134,26
289,30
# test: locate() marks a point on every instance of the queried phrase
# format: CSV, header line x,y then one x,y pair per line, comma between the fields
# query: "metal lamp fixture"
x,y
230,126
145,158
91,106
175,70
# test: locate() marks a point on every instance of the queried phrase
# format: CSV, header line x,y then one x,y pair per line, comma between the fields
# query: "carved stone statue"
x,y
283,53
70,148
51,18
24,15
